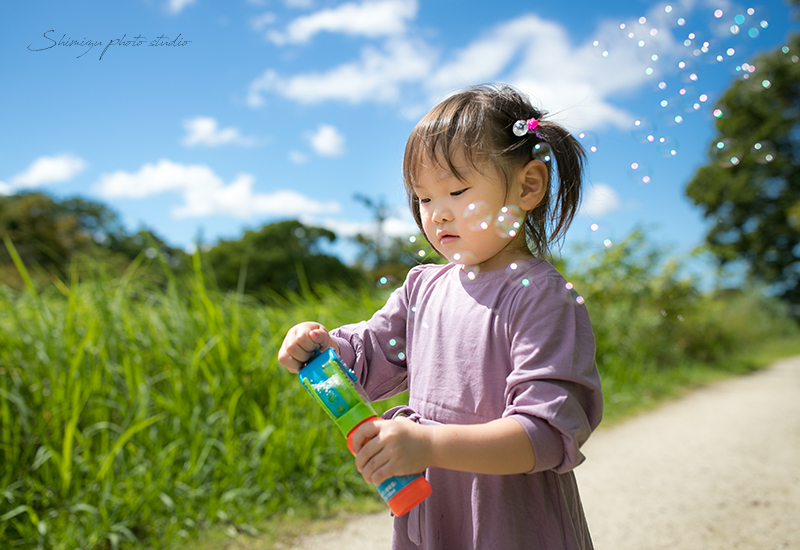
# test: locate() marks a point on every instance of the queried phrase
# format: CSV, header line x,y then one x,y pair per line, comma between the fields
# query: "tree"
x,y
388,258
752,186
279,257
49,234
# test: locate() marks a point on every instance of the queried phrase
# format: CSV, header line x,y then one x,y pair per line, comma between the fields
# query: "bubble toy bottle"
x,y
336,389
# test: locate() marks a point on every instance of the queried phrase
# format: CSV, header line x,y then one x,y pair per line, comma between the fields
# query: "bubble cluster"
x,y
509,221
722,37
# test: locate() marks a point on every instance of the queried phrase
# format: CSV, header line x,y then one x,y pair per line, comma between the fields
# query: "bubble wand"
x,y
336,389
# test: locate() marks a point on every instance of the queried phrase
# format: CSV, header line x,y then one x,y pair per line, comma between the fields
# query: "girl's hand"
x,y
300,343
388,448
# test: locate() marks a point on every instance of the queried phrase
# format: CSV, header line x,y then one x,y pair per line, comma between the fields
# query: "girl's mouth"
x,y
448,239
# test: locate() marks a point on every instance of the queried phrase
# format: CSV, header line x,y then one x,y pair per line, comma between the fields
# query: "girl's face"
x,y
444,200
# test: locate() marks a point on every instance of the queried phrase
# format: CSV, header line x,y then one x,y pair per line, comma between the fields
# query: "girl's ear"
x,y
535,179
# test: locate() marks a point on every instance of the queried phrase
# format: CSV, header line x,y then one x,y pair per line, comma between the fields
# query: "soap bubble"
x,y
639,172
464,257
600,49
416,247
667,147
469,272
509,221
541,151
643,130
386,281
478,216
763,152
589,141
670,113
687,70
725,152
516,275
396,347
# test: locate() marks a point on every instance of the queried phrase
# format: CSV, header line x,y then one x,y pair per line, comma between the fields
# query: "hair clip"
x,y
522,127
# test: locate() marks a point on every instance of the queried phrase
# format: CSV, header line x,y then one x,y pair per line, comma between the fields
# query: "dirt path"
x,y
718,469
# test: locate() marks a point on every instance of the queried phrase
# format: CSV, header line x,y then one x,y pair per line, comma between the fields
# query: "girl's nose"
x,y
441,215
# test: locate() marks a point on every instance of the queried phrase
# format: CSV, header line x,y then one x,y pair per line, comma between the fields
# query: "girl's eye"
x,y
424,201
457,193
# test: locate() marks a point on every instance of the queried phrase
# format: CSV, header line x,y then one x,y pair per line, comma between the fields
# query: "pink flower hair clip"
x,y
523,127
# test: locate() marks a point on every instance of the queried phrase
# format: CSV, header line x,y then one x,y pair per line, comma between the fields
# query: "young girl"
x,y
496,352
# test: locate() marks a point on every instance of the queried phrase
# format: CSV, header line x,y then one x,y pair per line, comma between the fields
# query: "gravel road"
x,y
717,469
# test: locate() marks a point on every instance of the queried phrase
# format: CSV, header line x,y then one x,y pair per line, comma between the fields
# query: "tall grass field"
x,y
136,415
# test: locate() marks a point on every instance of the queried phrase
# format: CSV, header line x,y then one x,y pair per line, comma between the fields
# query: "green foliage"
x,y
656,331
279,257
50,235
136,415
751,187
130,412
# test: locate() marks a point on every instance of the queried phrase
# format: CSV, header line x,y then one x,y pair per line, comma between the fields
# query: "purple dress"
x,y
504,344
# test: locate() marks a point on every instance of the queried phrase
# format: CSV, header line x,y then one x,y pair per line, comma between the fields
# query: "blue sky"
x,y
198,119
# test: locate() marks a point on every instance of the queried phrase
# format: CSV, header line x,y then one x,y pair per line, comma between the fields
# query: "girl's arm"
x,y
401,447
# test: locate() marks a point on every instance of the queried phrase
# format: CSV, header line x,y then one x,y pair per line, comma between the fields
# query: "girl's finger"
x,y
377,462
364,433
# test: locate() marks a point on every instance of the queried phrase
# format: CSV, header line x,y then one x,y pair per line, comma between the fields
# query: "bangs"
x,y
453,128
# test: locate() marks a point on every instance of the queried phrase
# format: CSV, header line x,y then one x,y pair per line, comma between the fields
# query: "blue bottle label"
x,y
394,485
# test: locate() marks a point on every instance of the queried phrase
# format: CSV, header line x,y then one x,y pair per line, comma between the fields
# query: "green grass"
x,y
142,416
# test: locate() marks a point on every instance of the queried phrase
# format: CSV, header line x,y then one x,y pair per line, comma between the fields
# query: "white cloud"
x,y
5,189
205,131
536,55
176,6
377,76
327,141
392,227
373,18
205,193
600,199
46,170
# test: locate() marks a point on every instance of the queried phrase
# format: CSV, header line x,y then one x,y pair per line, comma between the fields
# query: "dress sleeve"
x,y
554,387
375,349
